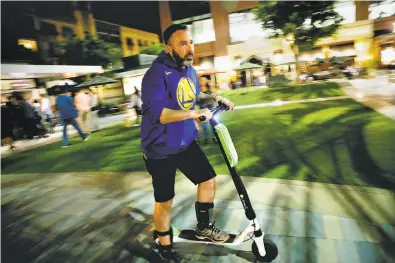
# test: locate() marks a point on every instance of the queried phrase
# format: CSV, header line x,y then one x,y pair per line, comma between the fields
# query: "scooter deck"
x,y
189,234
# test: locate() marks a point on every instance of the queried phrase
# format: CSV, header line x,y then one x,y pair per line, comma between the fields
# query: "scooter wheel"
x,y
271,251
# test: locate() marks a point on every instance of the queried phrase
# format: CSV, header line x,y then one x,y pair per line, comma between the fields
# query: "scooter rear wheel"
x,y
271,251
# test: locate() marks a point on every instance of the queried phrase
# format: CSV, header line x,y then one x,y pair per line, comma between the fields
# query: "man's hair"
x,y
170,31
19,98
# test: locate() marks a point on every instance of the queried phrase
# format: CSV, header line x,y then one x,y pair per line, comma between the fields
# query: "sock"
x,y
203,214
166,247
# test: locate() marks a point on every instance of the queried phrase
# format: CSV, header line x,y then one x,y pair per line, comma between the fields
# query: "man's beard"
x,y
182,61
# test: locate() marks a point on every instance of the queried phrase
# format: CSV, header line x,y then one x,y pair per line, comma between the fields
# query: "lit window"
x,y
202,31
243,25
27,43
381,9
388,55
346,9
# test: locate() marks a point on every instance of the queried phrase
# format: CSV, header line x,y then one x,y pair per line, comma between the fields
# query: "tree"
x,y
153,49
90,51
301,23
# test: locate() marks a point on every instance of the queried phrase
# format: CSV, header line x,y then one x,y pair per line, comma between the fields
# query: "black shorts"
x,y
192,162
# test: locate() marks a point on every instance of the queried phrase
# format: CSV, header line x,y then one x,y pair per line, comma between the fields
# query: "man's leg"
x,y
96,120
195,165
162,218
79,119
48,118
206,191
163,172
87,122
77,127
65,140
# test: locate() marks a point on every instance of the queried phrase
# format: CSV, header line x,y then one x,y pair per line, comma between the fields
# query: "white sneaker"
x,y
87,138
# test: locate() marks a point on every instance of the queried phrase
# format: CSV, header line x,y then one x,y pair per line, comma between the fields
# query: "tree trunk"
x,y
297,69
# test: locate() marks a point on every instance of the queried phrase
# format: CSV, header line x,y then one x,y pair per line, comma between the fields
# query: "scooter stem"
x,y
244,198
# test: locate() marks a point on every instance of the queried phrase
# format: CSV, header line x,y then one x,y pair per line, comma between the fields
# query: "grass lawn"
x,y
253,95
334,141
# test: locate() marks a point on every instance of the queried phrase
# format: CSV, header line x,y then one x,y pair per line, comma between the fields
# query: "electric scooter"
x,y
263,248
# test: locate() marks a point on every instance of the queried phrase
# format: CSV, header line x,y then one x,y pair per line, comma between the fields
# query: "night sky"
x,y
139,15
142,15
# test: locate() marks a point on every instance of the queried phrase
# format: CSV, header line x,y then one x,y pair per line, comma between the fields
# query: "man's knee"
x,y
209,183
166,204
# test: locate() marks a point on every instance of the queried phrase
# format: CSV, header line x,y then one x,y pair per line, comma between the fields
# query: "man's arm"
x,y
169,115
205,96
216,98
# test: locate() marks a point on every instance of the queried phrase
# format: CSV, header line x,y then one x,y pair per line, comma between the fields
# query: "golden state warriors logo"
x,y
186,93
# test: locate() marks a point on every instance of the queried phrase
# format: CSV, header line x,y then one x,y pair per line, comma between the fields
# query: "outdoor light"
x,y
28,45
387,55
360,95
277,102
206,65
363,58
18,75
290,38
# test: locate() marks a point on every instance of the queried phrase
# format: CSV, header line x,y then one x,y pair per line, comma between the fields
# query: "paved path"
x,y
106,217
281,103
377,93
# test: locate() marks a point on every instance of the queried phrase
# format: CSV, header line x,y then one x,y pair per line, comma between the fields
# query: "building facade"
x,y
46,33
229,34
40,38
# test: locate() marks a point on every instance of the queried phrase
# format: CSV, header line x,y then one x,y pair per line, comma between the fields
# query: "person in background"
x,y
135,103
68,114
83,105
18,117
94,118
206,104
207,131
204,85
37,107
38,116
29,123
47,112
7,133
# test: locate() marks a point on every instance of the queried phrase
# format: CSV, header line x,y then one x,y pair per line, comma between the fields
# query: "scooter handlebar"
x,y
215,110
202,118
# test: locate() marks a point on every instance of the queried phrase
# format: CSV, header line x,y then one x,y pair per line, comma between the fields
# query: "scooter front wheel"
x,y
271,251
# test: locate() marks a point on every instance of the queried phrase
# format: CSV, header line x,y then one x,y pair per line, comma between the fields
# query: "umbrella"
x,y
247,66
98,80
60,89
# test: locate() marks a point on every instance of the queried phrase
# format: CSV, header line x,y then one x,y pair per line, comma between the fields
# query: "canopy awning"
x,y
247,66
96,81
28,71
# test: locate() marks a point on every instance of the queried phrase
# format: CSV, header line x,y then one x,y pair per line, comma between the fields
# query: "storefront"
x,y
131,79
30,80
26,87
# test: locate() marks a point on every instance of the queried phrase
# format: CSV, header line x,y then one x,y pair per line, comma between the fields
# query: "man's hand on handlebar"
x,y
224,101
206,113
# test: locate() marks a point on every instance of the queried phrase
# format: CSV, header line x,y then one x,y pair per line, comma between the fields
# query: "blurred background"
x,y
314,87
